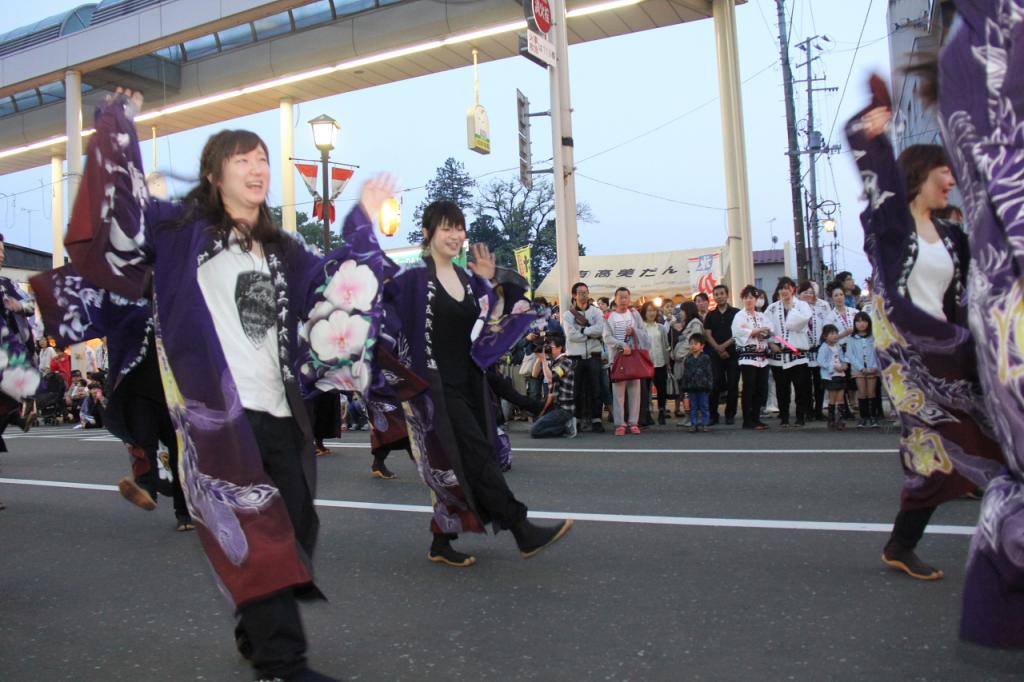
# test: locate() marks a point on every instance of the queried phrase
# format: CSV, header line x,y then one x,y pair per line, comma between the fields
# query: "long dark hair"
x,y
205,197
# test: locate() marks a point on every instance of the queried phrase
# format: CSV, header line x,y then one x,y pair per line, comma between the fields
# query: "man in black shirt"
x,y
718,331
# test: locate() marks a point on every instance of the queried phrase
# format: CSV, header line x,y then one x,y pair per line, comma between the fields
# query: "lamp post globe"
x,y
325,129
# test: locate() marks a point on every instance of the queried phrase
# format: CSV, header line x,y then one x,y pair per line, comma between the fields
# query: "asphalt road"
x,y
723,556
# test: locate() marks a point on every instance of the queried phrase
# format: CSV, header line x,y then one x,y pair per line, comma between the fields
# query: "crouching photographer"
x,y
557,417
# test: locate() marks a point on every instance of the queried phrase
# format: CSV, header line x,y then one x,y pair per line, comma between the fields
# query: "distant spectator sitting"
x,y
75,396
91,411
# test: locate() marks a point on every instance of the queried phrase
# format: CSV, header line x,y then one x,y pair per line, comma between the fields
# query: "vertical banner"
x,y
339,179
524,264
705,274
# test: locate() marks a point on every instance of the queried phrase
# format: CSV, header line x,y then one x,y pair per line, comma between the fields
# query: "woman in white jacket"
x,y
624,331
789,318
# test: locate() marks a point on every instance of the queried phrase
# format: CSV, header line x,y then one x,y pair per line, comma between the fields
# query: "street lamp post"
x,y
325,129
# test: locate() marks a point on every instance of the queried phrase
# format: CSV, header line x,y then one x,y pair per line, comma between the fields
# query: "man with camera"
x,y
557,417
584,326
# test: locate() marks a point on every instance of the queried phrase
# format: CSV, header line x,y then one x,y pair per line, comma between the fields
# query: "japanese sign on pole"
x,y
706,274
339,178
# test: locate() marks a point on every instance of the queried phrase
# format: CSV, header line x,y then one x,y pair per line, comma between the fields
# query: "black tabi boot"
x,y
442,552
832,417
532,538
906,560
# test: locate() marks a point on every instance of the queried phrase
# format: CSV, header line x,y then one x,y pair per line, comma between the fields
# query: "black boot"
x,y
906,560
661,417
864,405
831,417
532,538
442,552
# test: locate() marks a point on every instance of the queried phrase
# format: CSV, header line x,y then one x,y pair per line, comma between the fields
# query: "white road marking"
x,y
692,521
63,434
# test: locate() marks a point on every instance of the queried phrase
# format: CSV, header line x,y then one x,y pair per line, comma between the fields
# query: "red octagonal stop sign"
x,y
538,15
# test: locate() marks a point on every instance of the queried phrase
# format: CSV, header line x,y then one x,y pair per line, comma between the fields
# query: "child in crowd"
x,y
832,364
860,352
696,382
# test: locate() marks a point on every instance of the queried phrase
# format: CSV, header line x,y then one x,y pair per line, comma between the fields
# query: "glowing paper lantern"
x,y
390,217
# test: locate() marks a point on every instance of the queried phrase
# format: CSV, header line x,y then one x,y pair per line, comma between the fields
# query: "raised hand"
x,y
876,121
483,262
375,191
135,97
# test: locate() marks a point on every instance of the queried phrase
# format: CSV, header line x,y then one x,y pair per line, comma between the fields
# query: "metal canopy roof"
x,y
256,48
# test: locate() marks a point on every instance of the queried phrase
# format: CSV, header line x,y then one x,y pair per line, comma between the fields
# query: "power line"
x,y
653,196
853,60
670,121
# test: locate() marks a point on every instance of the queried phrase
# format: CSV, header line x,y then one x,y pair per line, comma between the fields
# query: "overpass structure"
x,y
206,61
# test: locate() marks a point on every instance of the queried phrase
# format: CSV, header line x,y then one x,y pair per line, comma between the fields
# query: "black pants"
x,y
817,390
727,380
588,388
273,624
659,382
480,469
149,424
799,378
909,526
755,390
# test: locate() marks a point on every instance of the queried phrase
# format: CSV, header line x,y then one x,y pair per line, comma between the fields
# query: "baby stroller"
x,y
50,406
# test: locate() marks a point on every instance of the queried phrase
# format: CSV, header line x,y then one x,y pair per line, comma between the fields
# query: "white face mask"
x,y
761,303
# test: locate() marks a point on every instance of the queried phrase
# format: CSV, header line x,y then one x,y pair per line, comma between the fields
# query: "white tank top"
x,y
930,277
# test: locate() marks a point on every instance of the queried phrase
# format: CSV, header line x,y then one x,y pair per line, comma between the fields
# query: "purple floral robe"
x,y
982,118
327,313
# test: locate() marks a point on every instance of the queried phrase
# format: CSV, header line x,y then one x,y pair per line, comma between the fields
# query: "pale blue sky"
x,y
621,87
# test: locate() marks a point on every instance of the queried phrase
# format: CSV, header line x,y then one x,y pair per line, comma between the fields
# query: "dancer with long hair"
x,y
230,291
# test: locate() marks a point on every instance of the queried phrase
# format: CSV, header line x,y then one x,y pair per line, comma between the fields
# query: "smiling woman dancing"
x,y
230,291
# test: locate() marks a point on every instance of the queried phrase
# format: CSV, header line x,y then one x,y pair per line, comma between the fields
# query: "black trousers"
x,y
755,391
817,390
909,526
799,378
480,469
659,382
150,424
588,388
273,624
727,380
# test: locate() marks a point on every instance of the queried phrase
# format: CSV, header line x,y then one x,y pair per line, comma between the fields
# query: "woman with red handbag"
x,y
626,337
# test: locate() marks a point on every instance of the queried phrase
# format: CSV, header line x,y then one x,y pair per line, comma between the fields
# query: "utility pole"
x,y
815,146
794,149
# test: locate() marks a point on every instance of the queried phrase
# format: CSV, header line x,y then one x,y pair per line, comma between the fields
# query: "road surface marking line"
x,y
692,521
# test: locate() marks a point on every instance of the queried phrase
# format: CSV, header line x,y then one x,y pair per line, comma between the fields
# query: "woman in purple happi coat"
x,y
445,326
233,307
981,435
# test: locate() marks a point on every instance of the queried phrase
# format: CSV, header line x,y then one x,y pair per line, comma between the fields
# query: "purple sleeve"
x,y
107,238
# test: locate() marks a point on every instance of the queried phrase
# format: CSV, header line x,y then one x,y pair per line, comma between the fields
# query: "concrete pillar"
x,y
741,254
73,125
57,208
564,176
287,173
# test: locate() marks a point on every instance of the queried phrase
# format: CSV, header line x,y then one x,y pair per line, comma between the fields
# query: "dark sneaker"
x,y
799,423
729,421
873,423
184,525
131,491
693,428
907,561
381,471
596,427
449,556
532,538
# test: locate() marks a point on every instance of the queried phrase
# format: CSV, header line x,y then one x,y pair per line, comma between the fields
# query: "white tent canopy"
x,y
665,273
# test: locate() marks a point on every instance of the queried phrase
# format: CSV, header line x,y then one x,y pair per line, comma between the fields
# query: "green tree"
x,y
311,230
452,183
510,216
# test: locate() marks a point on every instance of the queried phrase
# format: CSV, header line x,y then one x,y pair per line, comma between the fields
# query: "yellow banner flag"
x,y
524,263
